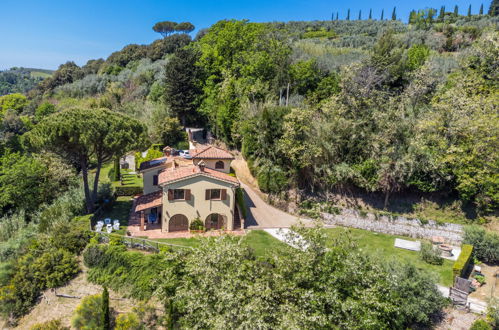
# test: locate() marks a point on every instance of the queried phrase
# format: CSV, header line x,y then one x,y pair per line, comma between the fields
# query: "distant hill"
x,y
21,80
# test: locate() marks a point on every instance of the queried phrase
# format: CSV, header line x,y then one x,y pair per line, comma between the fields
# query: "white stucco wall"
x,y
147,179
198,206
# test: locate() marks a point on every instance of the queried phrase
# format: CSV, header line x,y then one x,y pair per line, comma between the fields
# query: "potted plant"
x,y
196,226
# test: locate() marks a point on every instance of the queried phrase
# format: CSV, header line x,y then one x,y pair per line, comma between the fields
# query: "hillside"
x,y
382,117
21,80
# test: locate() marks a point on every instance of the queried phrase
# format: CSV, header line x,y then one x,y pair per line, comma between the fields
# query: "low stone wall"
x,y
396,225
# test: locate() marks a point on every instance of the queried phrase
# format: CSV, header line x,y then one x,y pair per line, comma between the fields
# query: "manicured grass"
x,y
262,243
383,245
119,210
128,180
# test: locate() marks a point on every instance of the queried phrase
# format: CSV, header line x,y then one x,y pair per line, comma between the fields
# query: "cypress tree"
x,y
442,12
382,14
332,17
116,174
360,15
494,8
394,14
105,310
370,13
456,11
481,10
336,15
348,14
469,11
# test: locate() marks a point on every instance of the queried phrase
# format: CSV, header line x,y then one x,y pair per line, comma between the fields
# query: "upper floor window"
x,y
155,180
216,194
179,194
219,165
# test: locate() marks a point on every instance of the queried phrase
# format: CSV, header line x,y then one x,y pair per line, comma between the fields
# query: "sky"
x,y
46,33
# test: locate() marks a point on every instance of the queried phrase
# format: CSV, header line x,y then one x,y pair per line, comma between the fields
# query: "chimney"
x,y
167,151
201,166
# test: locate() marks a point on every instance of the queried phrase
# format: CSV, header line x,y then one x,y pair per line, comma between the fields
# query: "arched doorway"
x,y
178,222
214,221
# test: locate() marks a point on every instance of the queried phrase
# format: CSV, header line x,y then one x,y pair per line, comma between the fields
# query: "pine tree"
x,y
370,14
456,11
469,11
481,10
360,15
394,14
348,14
337,15
382,14
332,17
105,310
494,8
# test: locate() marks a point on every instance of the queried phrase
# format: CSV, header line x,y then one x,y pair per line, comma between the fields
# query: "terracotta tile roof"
x,y
148,201
152,163
211,152
182,173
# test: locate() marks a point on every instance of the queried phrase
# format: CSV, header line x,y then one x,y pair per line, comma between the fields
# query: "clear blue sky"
x,y
46,33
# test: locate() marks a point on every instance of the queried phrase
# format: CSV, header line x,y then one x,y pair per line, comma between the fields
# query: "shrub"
x,y
485,243
128,321
196,224
240,201
493,312
461,265
49,325
430,255
480,324
128,190
88,314
53,268
129,272
105,309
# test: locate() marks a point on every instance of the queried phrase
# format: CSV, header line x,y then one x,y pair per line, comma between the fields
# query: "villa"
x,y
179,190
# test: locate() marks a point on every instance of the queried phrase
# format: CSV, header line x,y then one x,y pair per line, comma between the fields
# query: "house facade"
x,y
178,191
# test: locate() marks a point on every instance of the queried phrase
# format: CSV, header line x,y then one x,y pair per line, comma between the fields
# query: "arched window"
x,y
219,165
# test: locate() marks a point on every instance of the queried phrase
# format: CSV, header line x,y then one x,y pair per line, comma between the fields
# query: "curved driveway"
x,y
262,215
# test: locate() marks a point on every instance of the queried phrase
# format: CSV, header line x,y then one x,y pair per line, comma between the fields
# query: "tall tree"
x,y
106,324
412,17
494,8
164,28
370,13
86,135
348,14
442,13
394,14
382,14
360,15
469,11
337,15
456,11
182,90
184,27
481,10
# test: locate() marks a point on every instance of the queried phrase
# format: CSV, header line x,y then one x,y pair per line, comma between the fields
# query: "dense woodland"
x,y
314,107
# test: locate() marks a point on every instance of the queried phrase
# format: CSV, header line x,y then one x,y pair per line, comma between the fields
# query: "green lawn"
x,y
262,243
383,245
128,180
121,211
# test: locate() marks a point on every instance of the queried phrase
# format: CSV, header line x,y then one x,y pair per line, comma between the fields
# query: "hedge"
x,y
461,264
128,190
240,201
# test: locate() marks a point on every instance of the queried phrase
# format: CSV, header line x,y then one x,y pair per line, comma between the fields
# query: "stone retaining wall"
x,y
396,225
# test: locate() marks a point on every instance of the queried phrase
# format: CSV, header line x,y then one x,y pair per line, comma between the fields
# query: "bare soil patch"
x,y
491,286
455,319
52,307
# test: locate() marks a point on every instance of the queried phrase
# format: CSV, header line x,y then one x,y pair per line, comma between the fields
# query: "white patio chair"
x,y
98,228
100,223
116,225
109,229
